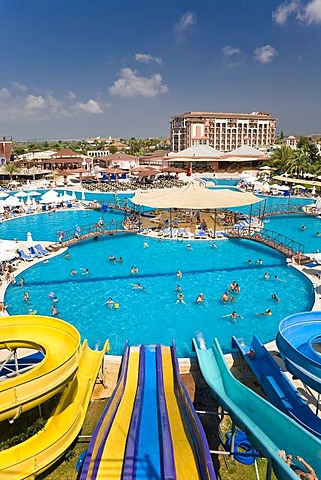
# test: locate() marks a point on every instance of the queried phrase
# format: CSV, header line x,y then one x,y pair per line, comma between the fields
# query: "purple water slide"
x,y
104,424
169,470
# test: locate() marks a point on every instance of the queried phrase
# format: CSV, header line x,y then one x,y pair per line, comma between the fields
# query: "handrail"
x,y
263,211
275,240
91,230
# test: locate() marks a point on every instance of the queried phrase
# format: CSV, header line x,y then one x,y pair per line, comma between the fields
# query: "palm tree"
x,y
299,163
281,156
11,168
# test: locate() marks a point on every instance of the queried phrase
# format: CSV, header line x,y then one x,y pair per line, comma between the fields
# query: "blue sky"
x,y
80,68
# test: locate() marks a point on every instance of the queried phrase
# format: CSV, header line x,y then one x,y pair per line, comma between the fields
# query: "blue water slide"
x,y
268,429
195,426
277,387
97,442
142,457
295,340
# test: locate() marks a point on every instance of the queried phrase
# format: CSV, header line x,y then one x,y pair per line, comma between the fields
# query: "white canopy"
x,y
193,197
50,197
7,245
3,194
12,202
20,194
7,256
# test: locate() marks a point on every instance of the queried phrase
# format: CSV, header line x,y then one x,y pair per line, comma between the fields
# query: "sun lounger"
x,y
24,256
42,250
201,235
34,253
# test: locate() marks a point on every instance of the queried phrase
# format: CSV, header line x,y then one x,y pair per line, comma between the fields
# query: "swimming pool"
x,y
152,316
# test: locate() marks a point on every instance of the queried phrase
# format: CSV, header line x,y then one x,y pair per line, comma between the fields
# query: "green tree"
x,y
299,163
11,168
281,156
113,149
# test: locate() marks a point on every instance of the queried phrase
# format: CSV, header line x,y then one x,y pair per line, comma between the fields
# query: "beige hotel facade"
x,y
223,131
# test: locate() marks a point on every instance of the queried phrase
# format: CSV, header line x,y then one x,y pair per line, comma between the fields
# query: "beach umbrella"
x,y
300,187
12,202
8,245
284,187
14,183
50,197
21,195
28,201
83,197
7,256
33,193
30,241
34,204
3,194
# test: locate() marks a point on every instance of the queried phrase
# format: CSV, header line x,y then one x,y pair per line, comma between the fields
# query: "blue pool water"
x,y
151,316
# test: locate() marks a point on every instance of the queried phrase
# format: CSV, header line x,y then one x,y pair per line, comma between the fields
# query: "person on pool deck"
x,y
200,298
180,298
233,316
307,474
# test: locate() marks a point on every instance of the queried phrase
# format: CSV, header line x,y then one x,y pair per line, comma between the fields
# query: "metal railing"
x,y
278,209
275,240
91,230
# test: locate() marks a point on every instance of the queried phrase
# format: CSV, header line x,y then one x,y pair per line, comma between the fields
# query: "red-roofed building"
x,y
5,149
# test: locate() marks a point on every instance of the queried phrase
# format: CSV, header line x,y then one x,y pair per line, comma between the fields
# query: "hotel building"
x,y
223,131
5,150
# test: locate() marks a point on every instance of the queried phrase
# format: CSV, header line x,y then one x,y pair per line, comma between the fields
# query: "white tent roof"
x,y
196,153
246,151
193,197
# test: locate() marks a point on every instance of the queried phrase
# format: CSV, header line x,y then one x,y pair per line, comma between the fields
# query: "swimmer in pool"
x,y
178,288
275,297
54,310
233,316
266,276
145,245
26,297
264,314
180,298
200,298
86,271
137,286
179,274
225,297
278,279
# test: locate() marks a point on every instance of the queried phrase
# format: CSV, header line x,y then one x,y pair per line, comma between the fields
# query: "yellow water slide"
x,y
112,458
67,366
184,454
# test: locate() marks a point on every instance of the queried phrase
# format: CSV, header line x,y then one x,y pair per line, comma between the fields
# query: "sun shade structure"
x,y
194,197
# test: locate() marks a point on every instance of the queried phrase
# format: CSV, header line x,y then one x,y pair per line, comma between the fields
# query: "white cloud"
x,y
229,51
5,93
311,13
265,54
92,106
16,104
20,87
71,95
146,58
183,26
131,85
284,11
